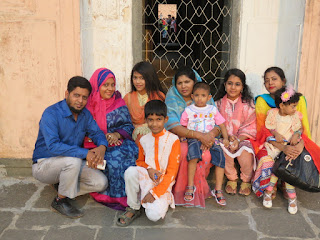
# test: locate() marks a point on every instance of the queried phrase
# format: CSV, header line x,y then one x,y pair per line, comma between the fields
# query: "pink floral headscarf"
x,y
99,107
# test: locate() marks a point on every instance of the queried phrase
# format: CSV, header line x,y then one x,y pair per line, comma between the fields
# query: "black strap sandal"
x,y
128,220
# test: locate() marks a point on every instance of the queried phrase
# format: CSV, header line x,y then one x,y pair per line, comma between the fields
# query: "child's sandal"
x,y
128,220
267,199
189,193
219,200
231,187
294,209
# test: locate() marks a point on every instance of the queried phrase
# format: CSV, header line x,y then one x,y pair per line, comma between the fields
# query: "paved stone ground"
x,y
25,214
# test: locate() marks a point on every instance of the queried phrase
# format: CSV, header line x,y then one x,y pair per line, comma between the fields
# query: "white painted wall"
x,y
106,38
270,35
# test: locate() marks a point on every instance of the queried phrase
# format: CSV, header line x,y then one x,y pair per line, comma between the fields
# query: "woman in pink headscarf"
x,y
112,115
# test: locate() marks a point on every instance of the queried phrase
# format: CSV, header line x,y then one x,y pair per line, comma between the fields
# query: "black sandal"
x,y
128,220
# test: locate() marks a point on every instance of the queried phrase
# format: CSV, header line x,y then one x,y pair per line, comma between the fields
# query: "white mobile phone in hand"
x,y
101,166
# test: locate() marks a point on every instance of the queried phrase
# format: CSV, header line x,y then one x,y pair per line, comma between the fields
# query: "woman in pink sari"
x,y
112,115
235,103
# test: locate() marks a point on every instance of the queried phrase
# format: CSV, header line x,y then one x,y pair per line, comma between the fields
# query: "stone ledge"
x,y
15,167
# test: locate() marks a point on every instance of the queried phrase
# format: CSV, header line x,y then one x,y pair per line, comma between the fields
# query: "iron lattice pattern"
x,y
201,38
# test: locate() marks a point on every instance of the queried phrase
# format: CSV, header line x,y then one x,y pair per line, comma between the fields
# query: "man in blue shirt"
x,y
58,154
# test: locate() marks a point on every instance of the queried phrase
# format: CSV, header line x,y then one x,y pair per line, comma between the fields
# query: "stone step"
x,y
11,167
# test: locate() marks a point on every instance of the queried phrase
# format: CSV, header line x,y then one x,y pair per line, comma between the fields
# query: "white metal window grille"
x,y
201,39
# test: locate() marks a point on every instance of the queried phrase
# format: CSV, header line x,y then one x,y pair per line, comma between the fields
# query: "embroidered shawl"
x,y
240,117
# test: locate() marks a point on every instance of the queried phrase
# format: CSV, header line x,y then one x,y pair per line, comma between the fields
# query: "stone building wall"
x,y
106,36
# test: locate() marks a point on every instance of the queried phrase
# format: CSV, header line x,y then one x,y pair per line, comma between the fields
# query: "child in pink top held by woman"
x,y
284,123
202,117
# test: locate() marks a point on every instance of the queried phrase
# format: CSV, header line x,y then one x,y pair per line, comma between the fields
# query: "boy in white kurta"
x,y
151,181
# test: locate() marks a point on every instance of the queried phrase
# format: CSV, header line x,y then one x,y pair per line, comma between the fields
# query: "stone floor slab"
x,y
309,200
315,218
211,219
234,202
279,201
5,220
269,220
48,193
16,195
115,234
71,233
276,238
191,234
30,219
46,197
242,218
98,216
143,221
14,234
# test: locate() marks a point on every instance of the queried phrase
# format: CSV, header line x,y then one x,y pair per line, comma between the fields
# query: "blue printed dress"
x,y
119,158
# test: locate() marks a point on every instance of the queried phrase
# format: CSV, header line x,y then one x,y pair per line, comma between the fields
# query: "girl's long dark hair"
x,y
246,93
153,85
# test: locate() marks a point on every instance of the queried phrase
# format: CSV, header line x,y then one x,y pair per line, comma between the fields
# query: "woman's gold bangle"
x,y
187,133
192,132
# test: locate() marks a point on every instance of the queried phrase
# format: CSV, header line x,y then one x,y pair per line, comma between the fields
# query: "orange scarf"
x,y
136,111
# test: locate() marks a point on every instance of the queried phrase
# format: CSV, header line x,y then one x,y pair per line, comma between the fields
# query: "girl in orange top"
x,y
145,86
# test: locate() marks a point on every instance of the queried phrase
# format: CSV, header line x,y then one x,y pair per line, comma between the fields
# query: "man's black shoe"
x,y
63,206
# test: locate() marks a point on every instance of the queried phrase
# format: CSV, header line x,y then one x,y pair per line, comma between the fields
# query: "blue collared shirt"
x,y
60,135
